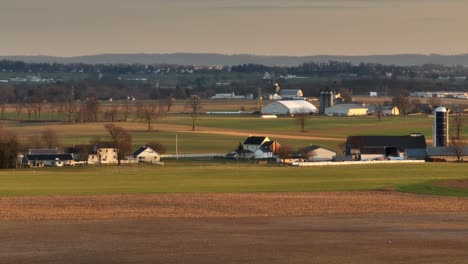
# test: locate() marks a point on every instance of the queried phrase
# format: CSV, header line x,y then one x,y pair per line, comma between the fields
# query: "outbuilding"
x,y
146,154
346,110
289,107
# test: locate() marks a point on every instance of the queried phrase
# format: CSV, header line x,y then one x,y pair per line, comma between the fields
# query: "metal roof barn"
x,y
289,107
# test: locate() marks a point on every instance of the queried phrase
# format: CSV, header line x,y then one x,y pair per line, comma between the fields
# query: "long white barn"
x,y
289,107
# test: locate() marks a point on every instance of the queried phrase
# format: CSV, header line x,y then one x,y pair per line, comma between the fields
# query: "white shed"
x,y
289,107
146,154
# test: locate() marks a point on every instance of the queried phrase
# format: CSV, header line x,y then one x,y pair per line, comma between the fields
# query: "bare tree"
x,y
403,102
379,111
69,110
458,120
156,146
111,113
2,109
19,106
126,109
457,145
346,95
121,140
194,104
49,138
149,112
301,116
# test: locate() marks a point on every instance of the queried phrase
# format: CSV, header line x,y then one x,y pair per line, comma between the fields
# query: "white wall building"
x,y
346,110
289,107
104,156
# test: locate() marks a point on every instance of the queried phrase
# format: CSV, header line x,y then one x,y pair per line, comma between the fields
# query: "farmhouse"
x,y
104,156
267,150
289,107
379,147
316,153
253,143
146,154
346,110
291,94
47,157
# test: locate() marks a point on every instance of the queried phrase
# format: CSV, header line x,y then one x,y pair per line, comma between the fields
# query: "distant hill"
x,y
207,59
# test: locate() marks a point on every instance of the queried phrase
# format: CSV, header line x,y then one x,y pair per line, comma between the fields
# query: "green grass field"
x,y
182,176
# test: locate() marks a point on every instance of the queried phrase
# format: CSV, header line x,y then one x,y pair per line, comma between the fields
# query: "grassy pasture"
x,y
180,176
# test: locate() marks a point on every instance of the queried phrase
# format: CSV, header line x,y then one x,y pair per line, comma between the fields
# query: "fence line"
x,y
330,163
205,155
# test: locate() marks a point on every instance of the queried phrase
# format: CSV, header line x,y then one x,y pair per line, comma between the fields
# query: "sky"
x,y
262,27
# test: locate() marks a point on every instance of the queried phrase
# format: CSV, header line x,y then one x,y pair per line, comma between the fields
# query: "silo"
x,y
326,100
440,128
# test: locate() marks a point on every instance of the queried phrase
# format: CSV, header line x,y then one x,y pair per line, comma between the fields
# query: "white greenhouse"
x,y
289,107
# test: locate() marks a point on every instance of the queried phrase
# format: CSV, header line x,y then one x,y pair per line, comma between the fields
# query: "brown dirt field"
x,y
459,184
223,205
347,227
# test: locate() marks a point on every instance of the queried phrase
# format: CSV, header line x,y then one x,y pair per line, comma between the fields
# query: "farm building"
x,y
380,147
316,153
291,94
267,150
47,157
346,110
146,154
448,153
253,143
289,107
385,109
104,156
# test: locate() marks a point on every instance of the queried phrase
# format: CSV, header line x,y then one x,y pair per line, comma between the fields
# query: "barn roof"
x,y
446,151
252,140
49,156
291,92
401,142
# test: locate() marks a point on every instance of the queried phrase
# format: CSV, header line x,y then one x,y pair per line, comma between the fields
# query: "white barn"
x,y
346,110
146,154
289,107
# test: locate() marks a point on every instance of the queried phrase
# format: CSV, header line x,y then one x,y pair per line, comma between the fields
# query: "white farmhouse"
x,y
104,156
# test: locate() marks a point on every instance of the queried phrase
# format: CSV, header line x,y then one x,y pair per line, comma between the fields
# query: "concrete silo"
x,y
440,128
326,100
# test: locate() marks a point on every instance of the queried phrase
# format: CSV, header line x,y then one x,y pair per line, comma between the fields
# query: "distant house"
x,y
316,153
346,110
289,107
104,156
377,147
267,150
447,153
47,157
255,147
287,94
253,143
146,154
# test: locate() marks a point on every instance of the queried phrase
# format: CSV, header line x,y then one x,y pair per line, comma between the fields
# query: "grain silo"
x,y
440,128
326,100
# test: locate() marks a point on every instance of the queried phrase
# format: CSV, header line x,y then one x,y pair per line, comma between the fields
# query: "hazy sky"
x,y
266,27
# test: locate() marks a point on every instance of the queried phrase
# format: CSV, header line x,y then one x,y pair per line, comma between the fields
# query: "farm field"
x,y
221,134
187,177
212,211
